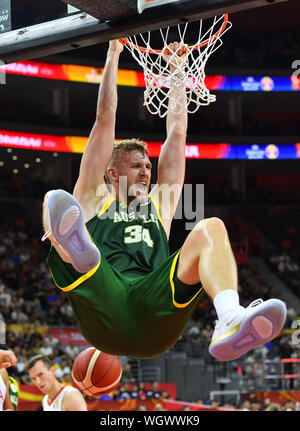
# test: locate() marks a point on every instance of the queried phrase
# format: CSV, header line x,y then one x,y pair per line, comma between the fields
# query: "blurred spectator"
x,y
153,392
21,363
5,297
58,352
127,376
51,340
2,285
164,395
288,406
159,407
54,298
134,393
35,336
68,379
72,351
141,408
18,316
195,329
117,394
62,369
255,405
142,392
66,313
46,349
186,409
125,392
215,404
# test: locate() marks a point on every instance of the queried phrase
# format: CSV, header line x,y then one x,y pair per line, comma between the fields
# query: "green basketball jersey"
x,y
132,303
132,239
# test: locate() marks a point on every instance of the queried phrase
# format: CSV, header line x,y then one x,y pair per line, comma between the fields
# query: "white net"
x,y
159,78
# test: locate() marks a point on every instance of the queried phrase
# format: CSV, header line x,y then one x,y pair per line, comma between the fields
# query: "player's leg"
x,y
64,225
207,256
98,300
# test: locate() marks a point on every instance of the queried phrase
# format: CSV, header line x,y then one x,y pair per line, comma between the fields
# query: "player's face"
x,y
136,167
41,377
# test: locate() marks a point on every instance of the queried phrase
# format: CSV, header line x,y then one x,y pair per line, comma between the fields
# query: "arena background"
x,y
244,148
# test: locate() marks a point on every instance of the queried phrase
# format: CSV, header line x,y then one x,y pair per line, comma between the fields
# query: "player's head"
x,y
129,170
41,372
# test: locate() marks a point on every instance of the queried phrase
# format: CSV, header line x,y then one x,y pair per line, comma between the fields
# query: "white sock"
x,y
226,301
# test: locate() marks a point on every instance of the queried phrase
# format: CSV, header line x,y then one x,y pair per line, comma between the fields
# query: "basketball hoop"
x,y
201,43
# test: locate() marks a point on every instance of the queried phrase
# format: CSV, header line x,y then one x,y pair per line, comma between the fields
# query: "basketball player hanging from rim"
x,y
110,251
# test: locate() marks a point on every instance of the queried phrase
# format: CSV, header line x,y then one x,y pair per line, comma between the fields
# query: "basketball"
x,y
96,373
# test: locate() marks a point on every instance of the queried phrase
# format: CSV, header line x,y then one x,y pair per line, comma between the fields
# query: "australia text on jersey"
x,y
132,216
190,206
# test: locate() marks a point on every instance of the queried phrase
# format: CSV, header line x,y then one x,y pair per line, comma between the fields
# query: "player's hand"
x,y
175,55
7,359
116,45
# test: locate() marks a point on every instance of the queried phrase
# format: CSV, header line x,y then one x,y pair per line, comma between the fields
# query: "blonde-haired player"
x,y
131,297
57,397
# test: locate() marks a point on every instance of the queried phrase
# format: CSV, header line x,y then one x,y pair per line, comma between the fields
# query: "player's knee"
x,y
215,225
211,227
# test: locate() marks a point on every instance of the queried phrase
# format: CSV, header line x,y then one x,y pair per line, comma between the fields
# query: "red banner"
x,y
31,398
68,335
33,141
77,144
195,151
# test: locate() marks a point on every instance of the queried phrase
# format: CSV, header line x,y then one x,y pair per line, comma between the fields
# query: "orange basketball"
x,y
96,373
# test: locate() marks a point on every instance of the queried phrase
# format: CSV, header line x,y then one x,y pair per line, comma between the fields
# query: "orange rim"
x,y
125,41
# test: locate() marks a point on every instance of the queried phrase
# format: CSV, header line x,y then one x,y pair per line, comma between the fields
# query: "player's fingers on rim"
x,y
173,47
185,48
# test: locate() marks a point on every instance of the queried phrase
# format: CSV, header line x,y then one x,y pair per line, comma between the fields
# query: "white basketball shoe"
x,y
66,223
246,328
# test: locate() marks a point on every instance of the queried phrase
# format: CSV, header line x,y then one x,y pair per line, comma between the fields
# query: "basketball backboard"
x,y
30,29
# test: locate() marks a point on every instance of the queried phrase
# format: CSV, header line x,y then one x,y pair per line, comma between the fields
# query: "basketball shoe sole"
x,y
251,327
66,223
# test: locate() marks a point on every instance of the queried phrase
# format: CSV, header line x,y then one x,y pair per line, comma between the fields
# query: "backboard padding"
x,y
106,10
82,29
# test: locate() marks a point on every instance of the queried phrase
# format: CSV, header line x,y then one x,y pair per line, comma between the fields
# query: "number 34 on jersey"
x,y
136,234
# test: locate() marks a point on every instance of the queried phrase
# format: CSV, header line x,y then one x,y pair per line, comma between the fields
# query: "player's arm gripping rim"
x,y
98,151
171,162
